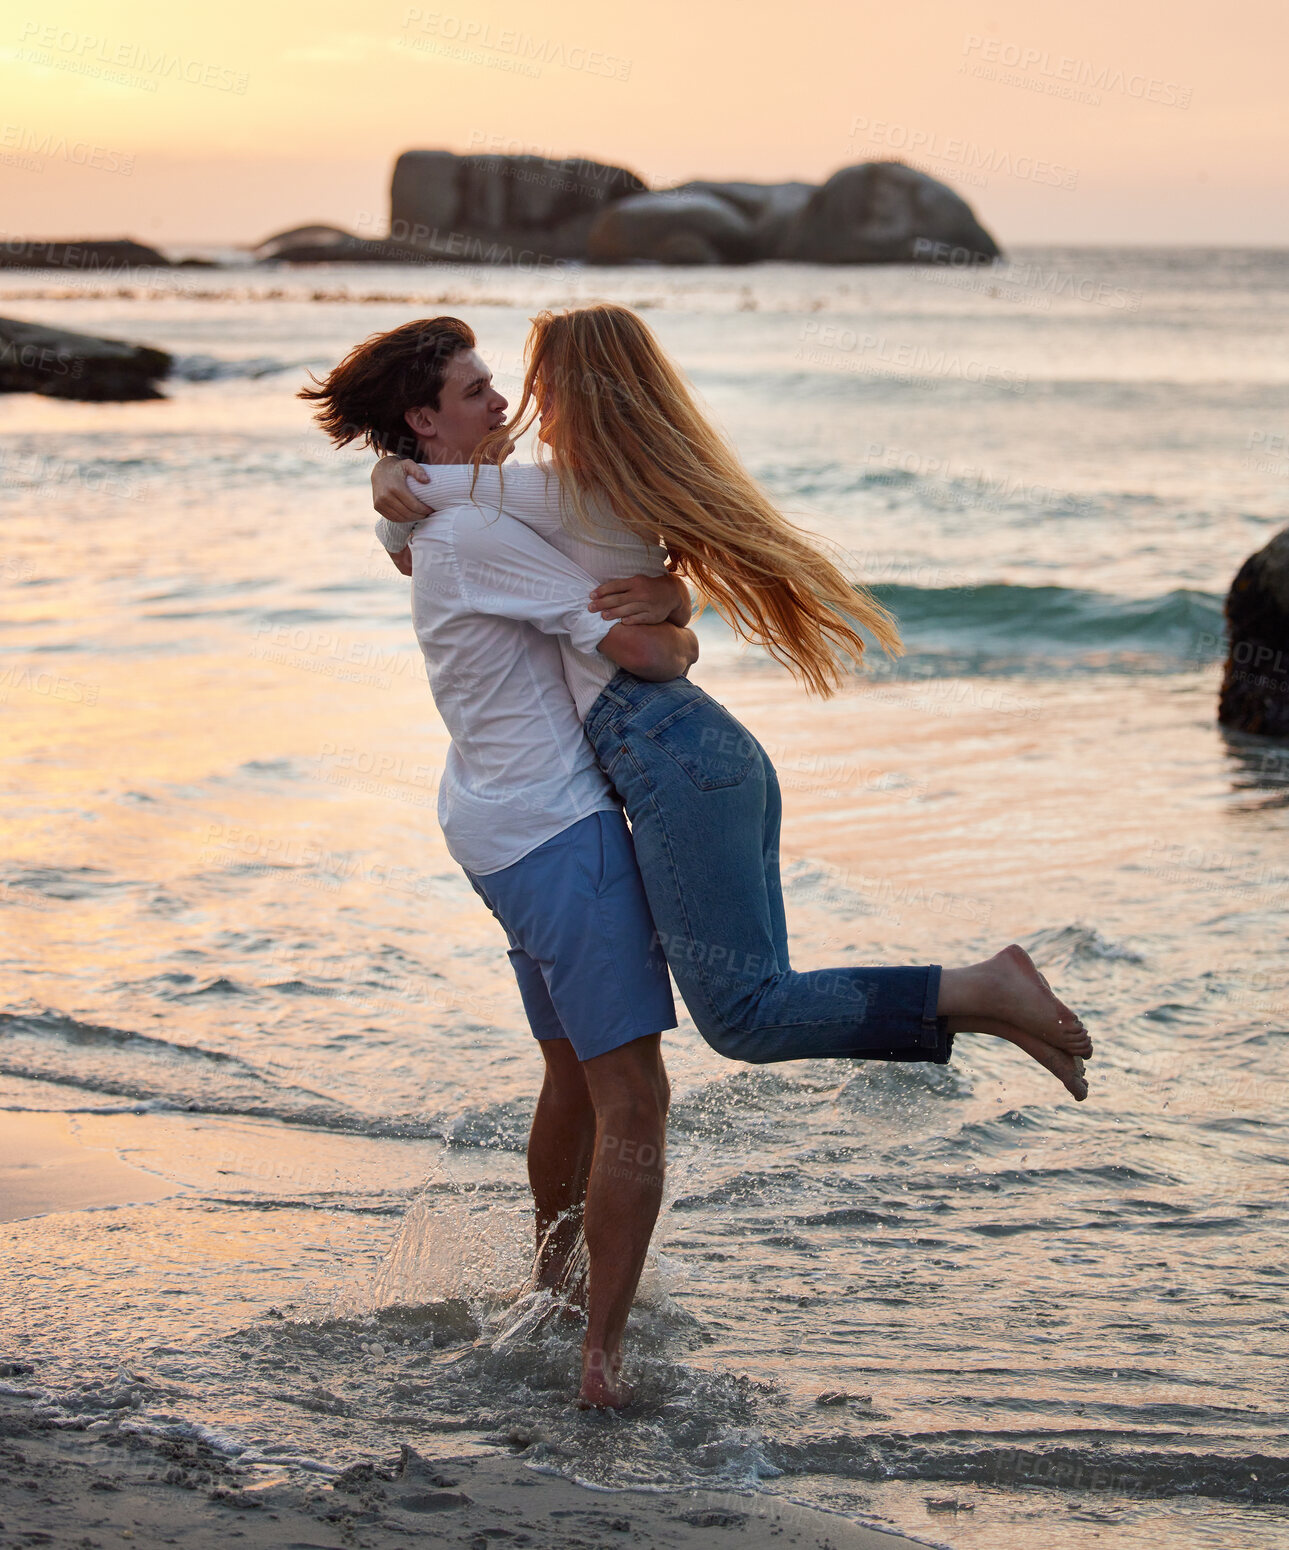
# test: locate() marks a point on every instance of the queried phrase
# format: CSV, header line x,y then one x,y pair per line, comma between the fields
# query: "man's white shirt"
x,y
606,549
490,601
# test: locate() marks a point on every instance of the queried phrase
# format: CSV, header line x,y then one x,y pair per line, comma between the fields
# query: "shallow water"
x,y
237,952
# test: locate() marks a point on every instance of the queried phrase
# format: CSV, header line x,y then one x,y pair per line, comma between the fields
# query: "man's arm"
x,y
654,652
397,505
531,495
507,570
396,539
531,491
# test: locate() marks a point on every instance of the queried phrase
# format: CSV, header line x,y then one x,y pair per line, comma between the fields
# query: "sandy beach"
x,y
43,1168
111,1483
115,1487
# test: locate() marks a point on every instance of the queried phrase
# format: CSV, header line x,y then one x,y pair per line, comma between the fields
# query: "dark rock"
x,y
302,237
531,211
882,212
330,245
497,194
425,189
676,227
771,208
439,200
88,256
1255,684
35,358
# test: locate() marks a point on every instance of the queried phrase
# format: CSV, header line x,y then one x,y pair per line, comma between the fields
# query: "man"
x,y
531,819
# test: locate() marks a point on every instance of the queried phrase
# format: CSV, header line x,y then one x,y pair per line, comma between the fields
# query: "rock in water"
x,y
771,208
88,256
876,213
676,227
451,204
35,358
529,210
1255,685
331,245
882,212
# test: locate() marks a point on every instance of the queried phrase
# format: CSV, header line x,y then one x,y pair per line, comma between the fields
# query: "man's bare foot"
x,y
602,1385
566,1284
1009,988
1068,1069
561,1266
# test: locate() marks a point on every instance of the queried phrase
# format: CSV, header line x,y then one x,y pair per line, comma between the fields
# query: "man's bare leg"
x,y
560,1146
630,1093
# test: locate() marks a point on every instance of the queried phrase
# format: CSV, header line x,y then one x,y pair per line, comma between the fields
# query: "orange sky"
x,y
1112,120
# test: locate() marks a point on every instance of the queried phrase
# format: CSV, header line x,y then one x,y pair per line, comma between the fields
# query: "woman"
x,y
640,485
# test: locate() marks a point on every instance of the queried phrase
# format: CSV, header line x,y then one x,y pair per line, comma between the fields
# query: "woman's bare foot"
x,y
1068,1069
1009,989
602,1385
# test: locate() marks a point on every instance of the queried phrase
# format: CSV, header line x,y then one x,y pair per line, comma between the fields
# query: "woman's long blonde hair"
x,y
625,431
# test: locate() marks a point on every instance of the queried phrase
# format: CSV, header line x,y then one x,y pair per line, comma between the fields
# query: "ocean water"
x,y
236,954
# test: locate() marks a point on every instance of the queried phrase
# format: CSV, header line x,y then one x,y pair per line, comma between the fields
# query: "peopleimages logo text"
x,y
952,155
88,52
19,139
1080,78
468,33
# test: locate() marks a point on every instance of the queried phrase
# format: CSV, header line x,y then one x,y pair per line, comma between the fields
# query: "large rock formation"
x,y
58,364
877,213
524,210
770,208
443,201
1255,685
883,212
88,256
682,226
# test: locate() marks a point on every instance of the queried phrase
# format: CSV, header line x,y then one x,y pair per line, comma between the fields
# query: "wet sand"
x,y
113,1487
44,1168
110,1484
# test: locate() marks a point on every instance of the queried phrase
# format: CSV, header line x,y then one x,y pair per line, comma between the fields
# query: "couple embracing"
x,y
552,602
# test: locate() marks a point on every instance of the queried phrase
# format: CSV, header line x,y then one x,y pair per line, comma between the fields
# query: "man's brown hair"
x,y
375,385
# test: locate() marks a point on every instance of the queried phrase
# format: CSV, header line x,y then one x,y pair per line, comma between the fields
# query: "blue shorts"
x,y
582,940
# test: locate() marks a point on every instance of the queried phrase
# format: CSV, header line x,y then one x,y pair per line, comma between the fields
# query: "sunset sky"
x,y
1113,120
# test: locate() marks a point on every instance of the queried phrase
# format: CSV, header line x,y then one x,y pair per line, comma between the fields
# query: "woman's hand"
x,y
643,600
389,492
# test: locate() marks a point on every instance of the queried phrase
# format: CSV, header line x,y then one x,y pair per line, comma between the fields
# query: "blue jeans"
x,y
704,806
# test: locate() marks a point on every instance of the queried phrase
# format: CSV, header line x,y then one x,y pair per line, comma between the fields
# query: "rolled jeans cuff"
x,y
935,1039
